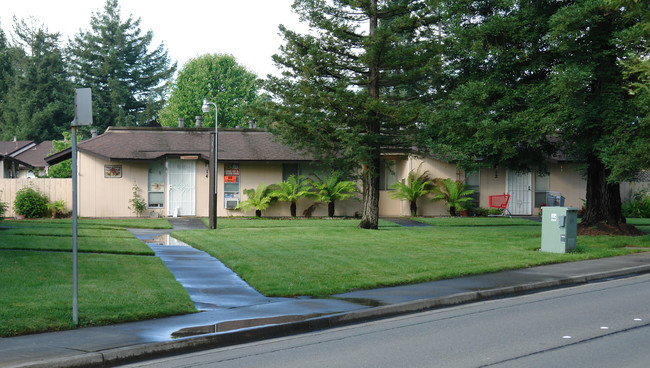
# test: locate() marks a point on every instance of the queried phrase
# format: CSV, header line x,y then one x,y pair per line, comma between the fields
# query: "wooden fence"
x,y
54,189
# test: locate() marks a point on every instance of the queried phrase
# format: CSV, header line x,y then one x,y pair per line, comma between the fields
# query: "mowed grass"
x,y
92,235
117,286
312,257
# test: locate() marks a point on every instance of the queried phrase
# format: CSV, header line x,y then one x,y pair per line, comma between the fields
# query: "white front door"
x,y
519,186
182,187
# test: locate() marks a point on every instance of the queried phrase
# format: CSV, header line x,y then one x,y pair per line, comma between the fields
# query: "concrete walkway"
x,y
234,313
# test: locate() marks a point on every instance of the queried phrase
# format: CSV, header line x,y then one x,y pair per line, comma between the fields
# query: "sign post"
x,y
83,115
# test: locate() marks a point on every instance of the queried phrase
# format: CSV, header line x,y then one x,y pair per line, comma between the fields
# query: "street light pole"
x,y
213,214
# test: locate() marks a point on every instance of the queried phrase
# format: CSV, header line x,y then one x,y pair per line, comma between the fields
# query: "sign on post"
x,y
83,107
83,115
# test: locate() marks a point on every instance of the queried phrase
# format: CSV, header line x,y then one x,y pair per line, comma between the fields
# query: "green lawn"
x,y
114,287
56,235
323,257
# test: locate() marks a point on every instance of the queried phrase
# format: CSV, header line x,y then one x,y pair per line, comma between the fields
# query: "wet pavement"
x,y
234,312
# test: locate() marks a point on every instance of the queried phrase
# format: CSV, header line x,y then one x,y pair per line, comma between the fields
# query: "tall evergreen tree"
x,y
529,79
113,58
6,65
38,104
218,78
356,84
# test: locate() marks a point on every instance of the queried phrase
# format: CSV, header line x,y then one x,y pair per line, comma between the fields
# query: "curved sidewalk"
x,y
227,325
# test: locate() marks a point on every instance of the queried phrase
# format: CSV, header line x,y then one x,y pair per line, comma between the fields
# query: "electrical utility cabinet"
x,y
559,229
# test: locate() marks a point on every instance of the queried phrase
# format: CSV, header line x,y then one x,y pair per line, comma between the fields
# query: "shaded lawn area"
x,y
310,257
117,286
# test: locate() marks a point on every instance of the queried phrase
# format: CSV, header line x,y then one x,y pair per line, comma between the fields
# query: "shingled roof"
x,y
135,144
35,155
8,147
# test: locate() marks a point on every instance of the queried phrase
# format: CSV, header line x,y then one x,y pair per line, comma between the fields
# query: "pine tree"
x,y
38,104
357,84
128,81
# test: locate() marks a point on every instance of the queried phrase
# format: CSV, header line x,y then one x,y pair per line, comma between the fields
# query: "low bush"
x,y
638,205
31,203
479,211
3,208
57,208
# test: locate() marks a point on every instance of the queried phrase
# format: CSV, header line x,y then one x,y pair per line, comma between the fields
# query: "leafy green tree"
x,y
217,78
526,80
128,77
38,103
358,83
62,169
417,185
453,193
332,189
259,198
291,190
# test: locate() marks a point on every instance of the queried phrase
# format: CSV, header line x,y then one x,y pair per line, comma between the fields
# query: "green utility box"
x,y
559,229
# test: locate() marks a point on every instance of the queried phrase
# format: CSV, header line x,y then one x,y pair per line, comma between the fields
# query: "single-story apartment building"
x,y
170,166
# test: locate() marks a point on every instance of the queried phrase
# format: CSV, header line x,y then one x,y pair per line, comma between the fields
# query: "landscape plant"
x,y
137,202
417,185
56,208
30,202
332,189
453,193
291,190
259,198
3,207
638,205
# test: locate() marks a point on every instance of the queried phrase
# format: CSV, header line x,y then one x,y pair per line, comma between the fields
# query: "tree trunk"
x,y
603,198
330,209
258,213
414,209
452,211
370,204
292,209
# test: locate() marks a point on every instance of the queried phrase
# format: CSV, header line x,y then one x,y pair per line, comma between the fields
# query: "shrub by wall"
x,y
31,203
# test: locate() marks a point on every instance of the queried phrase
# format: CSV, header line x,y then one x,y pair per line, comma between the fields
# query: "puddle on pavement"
x,y
367,302
244,323
164,239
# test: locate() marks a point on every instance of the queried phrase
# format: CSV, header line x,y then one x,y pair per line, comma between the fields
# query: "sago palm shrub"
x,y
332,189
453,193
291,190
259,198
417,185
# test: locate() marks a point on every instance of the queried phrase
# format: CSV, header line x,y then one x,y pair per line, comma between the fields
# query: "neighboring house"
x,y
170,166
10,165
33,155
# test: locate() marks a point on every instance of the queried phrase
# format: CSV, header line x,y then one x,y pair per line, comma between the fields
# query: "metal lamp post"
x,y
206,108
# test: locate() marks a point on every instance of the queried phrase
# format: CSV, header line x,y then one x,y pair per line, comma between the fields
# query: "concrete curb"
x,y
127,354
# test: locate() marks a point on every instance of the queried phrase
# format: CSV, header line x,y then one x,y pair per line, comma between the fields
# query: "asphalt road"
x,y
604,324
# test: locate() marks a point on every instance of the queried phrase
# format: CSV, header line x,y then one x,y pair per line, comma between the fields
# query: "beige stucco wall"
x,y
567,180
109,197
54,189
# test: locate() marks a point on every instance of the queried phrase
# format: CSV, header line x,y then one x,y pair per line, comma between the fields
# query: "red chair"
x,y
500,202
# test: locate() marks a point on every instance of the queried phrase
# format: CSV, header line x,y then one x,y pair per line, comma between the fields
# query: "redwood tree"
x,y
531,79
356,84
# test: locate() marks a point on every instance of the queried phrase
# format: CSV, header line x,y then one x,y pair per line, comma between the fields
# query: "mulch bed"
x,y
607,229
